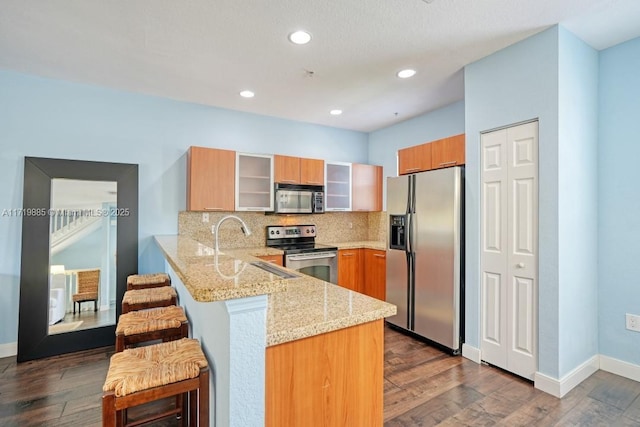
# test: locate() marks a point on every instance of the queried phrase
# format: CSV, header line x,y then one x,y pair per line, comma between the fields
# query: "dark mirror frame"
x,y
34,341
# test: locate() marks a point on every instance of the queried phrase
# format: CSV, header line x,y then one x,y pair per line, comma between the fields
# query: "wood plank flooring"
x,y
423,387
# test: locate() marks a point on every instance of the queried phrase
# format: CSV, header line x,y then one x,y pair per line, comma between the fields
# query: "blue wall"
x,y
49,118
619,199
577,202
384,143
513,85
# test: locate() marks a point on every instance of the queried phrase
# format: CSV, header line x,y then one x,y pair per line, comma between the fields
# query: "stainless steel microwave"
x,y
298,199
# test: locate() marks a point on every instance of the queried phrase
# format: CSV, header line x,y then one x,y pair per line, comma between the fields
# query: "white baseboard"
x,y
618,367
471,353
559,388
9,349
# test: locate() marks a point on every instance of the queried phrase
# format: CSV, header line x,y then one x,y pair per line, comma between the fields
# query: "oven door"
x,y
321,265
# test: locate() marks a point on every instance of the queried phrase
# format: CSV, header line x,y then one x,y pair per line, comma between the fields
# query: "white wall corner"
x,y
618,367
471,353
9,349
559,388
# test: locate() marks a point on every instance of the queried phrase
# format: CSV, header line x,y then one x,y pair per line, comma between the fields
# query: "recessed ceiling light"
x,y
335,112
247,94
405,74
300,37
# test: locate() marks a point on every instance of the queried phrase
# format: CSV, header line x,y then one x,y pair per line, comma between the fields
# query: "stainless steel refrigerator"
x,y
424,254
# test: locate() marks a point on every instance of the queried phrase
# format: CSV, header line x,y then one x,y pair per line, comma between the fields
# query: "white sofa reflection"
x,y
57,294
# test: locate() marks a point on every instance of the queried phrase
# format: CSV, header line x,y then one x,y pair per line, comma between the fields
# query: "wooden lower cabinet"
x,y
275,259
328,380
350,273
375,273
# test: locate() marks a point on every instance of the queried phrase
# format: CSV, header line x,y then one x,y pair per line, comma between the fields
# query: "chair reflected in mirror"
x,y
87,289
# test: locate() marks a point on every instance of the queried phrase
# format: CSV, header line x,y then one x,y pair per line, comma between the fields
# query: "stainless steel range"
x,y
302,253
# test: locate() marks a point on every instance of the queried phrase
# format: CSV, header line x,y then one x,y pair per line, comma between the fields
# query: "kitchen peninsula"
x,y
292,351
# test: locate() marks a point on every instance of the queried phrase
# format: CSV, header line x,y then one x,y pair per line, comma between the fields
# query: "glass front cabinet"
x,y
338,186
254,182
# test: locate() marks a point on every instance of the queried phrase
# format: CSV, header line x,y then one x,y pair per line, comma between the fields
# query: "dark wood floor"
x,y
423,387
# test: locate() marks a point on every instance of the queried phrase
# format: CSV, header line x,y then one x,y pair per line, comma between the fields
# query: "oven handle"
x,y
321,255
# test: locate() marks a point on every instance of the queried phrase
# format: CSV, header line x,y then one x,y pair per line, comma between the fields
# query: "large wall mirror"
x,y
79,243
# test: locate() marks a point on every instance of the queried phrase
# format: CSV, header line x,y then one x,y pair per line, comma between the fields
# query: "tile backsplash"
x,y
332,227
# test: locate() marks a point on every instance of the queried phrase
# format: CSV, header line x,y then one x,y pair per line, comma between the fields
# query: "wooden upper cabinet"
x,y
437,154
367,187
297,170
447,152
286,169
414,159
311,171
210,179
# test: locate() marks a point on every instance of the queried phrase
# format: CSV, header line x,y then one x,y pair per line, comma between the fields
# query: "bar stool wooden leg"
x,y
203,398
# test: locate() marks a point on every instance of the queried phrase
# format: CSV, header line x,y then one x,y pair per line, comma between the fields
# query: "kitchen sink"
x,y
273,269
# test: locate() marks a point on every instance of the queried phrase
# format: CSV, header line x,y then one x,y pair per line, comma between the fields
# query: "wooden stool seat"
x,y
145,374
153,280
140,299
165,323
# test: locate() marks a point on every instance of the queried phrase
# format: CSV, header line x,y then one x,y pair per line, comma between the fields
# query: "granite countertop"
x,y
297,308
228,275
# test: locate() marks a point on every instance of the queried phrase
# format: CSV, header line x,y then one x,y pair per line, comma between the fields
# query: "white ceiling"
x,y
206,51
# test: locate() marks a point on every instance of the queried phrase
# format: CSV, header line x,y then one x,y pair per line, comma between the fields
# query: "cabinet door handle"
x,y
288,181
413,169
379,255
448,163
213,209
314,182
349,254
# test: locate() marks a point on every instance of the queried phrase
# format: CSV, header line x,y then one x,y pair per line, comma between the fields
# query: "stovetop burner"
x,y
295,239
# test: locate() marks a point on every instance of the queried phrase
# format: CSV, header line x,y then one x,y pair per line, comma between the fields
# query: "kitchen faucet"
x,y
215,229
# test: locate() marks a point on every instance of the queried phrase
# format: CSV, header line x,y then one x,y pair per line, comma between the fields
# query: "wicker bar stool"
x,y
142,281
165,323
146,374
141,299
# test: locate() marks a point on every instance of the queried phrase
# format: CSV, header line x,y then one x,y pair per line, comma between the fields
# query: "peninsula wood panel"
x,y
210,179
286,169
448,152
367,187
332,379
350,272
414,159
311,171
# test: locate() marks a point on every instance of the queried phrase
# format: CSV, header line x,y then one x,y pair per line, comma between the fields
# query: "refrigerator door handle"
x,y
407,234
409,299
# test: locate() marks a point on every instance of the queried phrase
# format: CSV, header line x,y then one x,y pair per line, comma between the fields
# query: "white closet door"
x,y
509,243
